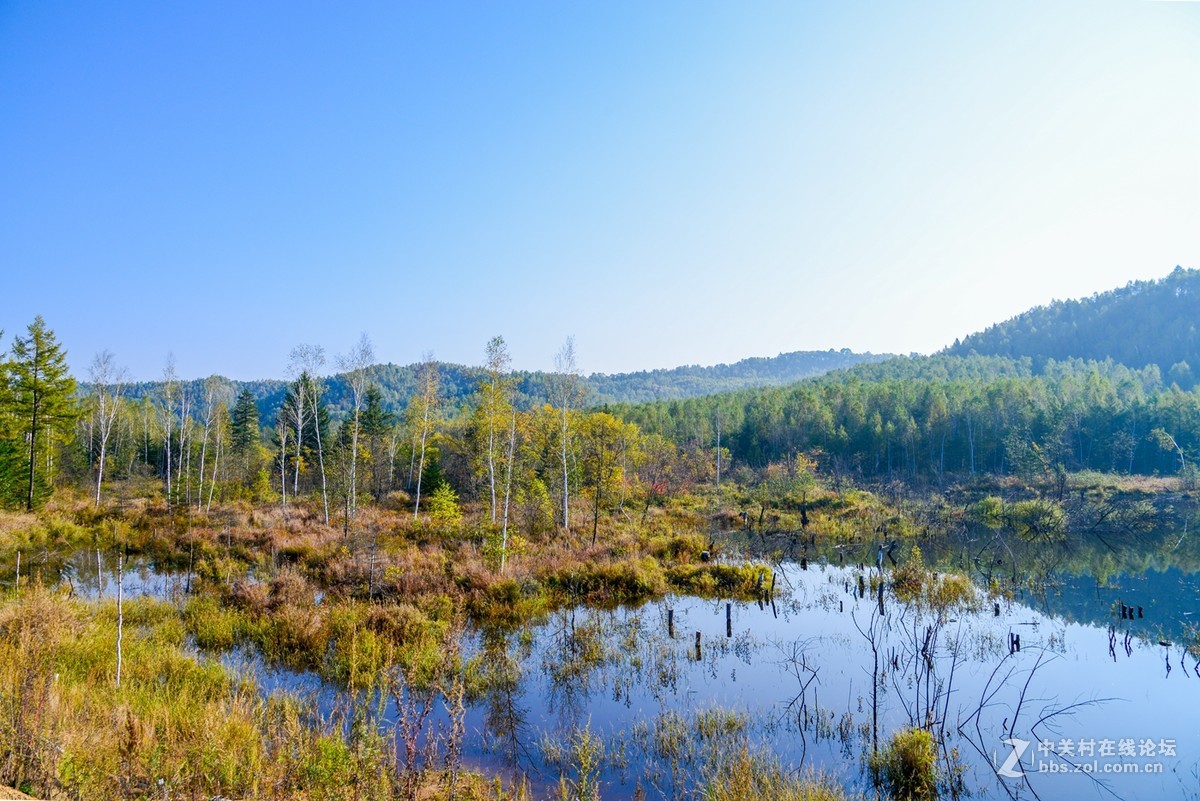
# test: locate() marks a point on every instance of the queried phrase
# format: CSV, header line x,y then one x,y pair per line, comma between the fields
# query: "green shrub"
x,y
908,580
907,766
989,510
714,578
1038,519
685,547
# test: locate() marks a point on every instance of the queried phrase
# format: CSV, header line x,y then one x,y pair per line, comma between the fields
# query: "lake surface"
x,y
802,672
1092,705
1105,708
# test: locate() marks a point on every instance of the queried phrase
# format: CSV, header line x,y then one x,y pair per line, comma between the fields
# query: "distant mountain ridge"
x,y
694,380
1141,324
459,382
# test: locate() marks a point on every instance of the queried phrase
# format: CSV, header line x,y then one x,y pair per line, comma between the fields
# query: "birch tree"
x,y
566,393
295,411
508,479
309,359
425,402
217,394
221,425
183,471
493,414
108,383
168,414
281,430
355,365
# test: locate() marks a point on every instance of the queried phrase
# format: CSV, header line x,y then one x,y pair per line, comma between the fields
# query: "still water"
x,y
1100,700
1091,705
1094,703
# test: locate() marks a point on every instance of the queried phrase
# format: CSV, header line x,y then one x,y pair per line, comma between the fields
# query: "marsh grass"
x,y
372,611
746,776
914,583
907,766
182,725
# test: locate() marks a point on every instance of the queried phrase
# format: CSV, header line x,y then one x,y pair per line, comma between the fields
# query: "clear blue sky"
x,y
671,183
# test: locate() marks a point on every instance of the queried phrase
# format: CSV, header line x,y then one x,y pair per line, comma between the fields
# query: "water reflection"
x,y
824,675
823,671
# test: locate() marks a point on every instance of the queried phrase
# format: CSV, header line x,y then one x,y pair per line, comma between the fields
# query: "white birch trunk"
x,y
120,610
512,447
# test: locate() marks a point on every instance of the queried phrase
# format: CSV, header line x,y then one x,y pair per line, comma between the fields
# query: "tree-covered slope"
x,y
932,416
1143,323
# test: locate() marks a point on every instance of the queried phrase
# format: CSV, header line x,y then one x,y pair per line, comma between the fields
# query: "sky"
x,y
668,182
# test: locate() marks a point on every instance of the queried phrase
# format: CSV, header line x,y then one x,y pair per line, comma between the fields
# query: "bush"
x,y
1039,519
989,510
737,581
679,547
908,580
907,767
628,580
443,506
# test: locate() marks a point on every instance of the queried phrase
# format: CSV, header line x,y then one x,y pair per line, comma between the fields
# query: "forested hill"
x,y
1143,323
933,416
693,381
458,382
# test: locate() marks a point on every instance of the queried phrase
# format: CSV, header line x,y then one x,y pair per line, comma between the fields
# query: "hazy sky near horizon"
x,y
669,182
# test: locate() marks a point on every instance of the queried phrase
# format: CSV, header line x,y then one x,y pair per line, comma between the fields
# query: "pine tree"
x,y
376,424
245,423
10,446
42,401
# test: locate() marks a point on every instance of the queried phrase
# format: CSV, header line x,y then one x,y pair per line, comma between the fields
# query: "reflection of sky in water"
x,y
140,578
1063,665
645,673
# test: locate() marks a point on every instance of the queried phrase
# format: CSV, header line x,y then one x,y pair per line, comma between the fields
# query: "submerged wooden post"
x,y
862,587
1140,613
728,620
995,609
697,646
671,623
841,606
881,597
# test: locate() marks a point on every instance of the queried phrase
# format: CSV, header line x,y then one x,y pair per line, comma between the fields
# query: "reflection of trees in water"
x,y
503,690
592,659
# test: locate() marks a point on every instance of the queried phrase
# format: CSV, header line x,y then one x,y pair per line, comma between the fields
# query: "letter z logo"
x,y
1011,769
